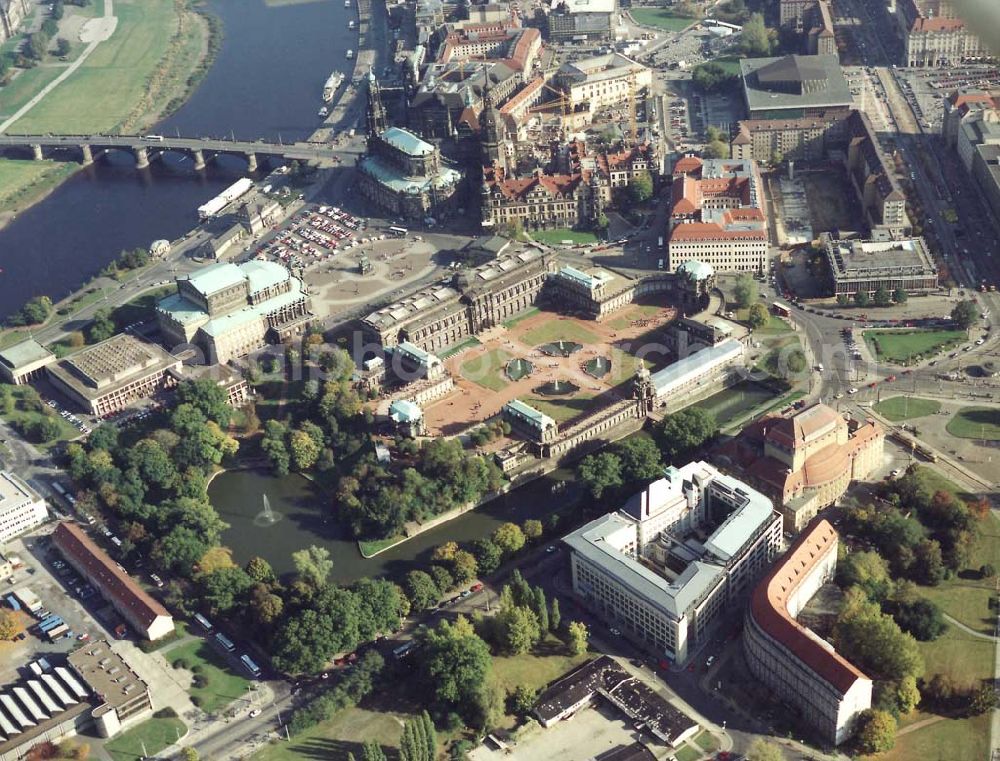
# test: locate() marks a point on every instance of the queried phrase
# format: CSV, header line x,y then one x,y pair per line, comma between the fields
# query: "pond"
x,y
299,519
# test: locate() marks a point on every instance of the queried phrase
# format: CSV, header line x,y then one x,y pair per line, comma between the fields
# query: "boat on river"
x,y
330,87
350,54
324,112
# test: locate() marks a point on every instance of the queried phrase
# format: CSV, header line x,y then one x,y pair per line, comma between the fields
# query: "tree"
x,y
509,538
861,298
843,300
683,432
745,291
762,750
867,570
756,40
928,567
876,731
640,188
62,46
758,316
313,564
102,327
372,751
223,589
260,570
882,297
717,149
46,429
8,625
920,617
464,567
488,555
443,579
519,630
190,754
303,450
522,700
641,460
555,617
430,736
208,397
964,314
421,590
872,639
215,559
532,529
600,473
576,637
982,699
456,666
987,571
907,694
900,296
710,76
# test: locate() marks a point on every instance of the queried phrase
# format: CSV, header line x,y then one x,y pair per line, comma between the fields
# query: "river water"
x,y
265,83
302,519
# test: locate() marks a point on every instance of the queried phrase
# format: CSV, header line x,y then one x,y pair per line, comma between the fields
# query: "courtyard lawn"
x,y
662,18
904,346
635,312
562,409
555,237
905,408
976,423
343,733
487,370
706,741
222,686
734,402
731,64
558,330
521,318
688,753
623,366
145,740
468,343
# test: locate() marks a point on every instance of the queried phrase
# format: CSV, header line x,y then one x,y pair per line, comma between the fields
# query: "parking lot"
x,y
926,90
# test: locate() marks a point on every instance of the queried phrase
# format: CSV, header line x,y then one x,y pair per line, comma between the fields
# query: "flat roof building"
x,y
663,566
144,614
582,19
123,696
113,374
803,670
794,86
21,508
868,265
24,361
698,374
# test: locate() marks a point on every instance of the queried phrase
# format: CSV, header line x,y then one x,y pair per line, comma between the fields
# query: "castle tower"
x,y
377,122
643,390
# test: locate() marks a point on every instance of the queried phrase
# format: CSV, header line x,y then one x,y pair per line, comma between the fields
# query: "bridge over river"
x,y
145,147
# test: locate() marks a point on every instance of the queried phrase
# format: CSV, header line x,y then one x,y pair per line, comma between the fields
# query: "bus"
x,y
203,622
404,650
249,665
399,232
225,642
780,309
57,632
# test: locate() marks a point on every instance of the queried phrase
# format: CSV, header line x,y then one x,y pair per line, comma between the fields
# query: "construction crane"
x,y
562,101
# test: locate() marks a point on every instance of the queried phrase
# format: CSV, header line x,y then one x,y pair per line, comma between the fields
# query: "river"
x,y
301,520
265,83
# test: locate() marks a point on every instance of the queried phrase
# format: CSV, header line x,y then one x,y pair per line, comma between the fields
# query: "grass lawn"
x,y
661,18
521,317
223,685
373,546
706,742
966,597
106,88
341,734
902,346
559,330
688,753
733,402
23,417
731,64
623,366
774,326
15,174
945,739
933,480
154,735
562,409
555,237
468,343
487,370
959,654
976,423
26,86
905,408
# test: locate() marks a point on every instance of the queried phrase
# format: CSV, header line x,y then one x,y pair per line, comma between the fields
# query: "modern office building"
x,y
972,126
577,20
799,667
111,375
805,462
229,310
144,614
21,508
795,87
24,361
934,34
868,265
717,215
677,553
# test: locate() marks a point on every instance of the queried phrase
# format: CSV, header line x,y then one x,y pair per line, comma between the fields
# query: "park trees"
x,y
682,432
745,290
421,589
102,327
862,299
758,316
717,149
207,397
867,570
757,40
509,538
599,473
313,564
576,637
882,297
640,188
34,312
710,76
876,731
456,666
224,588
964,314
874,640
488,555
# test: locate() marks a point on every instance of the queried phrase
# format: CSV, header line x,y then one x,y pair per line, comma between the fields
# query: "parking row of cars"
x,y
69,417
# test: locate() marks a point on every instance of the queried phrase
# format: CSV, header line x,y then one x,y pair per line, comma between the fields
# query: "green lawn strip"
x,y
146,739
773,327
15,173
623,366
141,307
487,370
562,409
688,753
223,685
906,407
730,64
468,343
343,733
521,317
966,597
706,741
15,336
945,739
934,481
371,547
104,90
555,237
903,346
728,403
559,330
661,18
976,423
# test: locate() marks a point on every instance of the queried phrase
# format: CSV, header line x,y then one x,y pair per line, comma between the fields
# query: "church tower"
x,y
377,122
491,129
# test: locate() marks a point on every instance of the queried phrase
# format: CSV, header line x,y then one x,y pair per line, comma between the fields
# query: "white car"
x,y
852,390
254,713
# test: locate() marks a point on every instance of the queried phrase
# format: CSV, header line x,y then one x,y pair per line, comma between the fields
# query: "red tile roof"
x,y
712,231
112,581
687,165
769,607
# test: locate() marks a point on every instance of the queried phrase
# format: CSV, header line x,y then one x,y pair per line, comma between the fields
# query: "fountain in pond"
x,y
519,368
597,367
557,388
560,348
267,516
